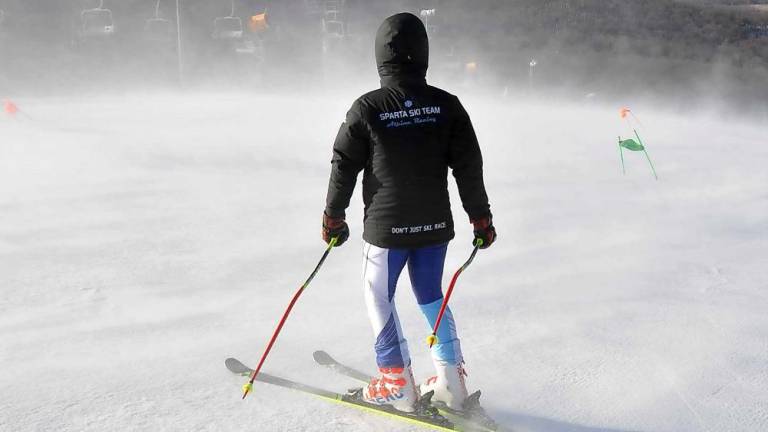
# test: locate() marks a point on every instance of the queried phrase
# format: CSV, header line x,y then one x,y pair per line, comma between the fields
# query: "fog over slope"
x,y
611,49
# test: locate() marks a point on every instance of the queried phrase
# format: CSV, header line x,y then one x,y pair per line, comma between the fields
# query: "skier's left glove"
x,y
484,231
335,227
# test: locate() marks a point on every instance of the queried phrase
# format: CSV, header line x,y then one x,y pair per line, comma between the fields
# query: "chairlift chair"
x,y
333,28
228,27
332,16
158,27
313,7
333,6
97,22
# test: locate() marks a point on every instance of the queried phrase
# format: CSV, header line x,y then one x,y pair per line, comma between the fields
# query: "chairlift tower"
x,y
178,42
531,66
426,14
333,22
334,27
333,31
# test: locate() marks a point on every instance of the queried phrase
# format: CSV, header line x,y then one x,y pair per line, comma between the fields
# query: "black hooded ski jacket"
x,y
405,136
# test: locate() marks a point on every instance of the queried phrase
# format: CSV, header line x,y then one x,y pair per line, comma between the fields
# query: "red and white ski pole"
x,y
249,385
432,339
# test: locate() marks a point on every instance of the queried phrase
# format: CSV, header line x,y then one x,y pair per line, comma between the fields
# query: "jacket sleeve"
x,y
350,155
466,161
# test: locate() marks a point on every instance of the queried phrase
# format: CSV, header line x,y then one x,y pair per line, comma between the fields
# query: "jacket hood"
x,y
402,48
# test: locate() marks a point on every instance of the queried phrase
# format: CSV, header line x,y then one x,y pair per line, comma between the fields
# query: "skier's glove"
x,y
335,227
484,231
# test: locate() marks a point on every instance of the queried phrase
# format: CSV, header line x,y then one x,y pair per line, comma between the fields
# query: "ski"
x,y
425,416
474,419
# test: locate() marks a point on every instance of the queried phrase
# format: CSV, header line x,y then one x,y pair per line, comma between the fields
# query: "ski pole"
x,y
248,386
653,170
432,339
621,155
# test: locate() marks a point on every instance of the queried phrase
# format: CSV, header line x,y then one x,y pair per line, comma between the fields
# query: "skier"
x,y
405,136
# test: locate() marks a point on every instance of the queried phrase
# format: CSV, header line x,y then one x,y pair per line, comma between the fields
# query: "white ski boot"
x,y
448,385
395,387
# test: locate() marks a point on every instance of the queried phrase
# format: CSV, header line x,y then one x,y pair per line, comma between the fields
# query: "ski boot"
x,y
449,385
395,387
450,394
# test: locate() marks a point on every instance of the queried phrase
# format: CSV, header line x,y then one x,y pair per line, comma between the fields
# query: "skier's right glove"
x,y
335,227
484,231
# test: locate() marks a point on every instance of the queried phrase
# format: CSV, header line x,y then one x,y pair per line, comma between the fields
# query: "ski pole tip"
x,y
247,387
431,340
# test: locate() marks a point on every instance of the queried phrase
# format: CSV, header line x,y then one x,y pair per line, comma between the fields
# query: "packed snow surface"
x,y
144,239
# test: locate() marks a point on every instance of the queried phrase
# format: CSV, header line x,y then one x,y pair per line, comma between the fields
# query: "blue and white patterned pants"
x,y
381,270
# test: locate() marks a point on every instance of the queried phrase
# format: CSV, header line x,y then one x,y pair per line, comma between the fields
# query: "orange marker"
x,y
258,23
624,111
10,108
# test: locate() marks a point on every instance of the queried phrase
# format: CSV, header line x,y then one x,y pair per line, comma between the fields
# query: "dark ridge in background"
x,y
604,49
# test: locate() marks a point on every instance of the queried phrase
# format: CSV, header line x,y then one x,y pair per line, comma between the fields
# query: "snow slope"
x,y
144,239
